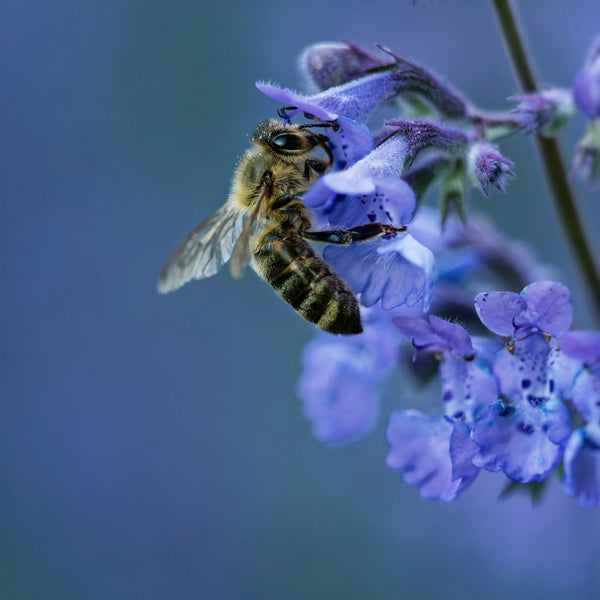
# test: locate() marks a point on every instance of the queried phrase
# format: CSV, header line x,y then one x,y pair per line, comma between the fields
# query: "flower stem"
x,y
549,150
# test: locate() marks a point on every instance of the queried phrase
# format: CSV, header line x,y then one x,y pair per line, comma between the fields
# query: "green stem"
x,y
553,163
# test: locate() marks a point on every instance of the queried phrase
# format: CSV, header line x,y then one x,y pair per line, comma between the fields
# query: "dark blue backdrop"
x,y
153,447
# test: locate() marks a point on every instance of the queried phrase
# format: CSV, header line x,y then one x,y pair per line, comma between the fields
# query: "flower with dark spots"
x,y
487,168
546,110
519,442
586,86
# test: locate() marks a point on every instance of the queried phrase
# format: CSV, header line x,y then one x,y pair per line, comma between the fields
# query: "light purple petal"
x,y
349,143
497,310
586,393
582,345
420,450
462,451
582,466
394,271
354,99
456,337
549,307
391,203
339,388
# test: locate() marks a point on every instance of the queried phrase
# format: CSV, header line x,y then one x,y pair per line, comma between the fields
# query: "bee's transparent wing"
x,y
241,252
204,251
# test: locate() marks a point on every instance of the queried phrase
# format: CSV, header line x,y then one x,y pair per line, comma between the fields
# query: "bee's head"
x,y
289,140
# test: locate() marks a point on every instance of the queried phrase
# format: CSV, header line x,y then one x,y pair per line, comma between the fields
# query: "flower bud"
x,y
330,64
546,110
487,167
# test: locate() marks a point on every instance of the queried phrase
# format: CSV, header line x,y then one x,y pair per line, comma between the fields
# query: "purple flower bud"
x,y
546,110
331,64
488,168
586,86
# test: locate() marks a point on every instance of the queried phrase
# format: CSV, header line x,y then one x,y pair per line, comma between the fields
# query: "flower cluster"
x,y
521,393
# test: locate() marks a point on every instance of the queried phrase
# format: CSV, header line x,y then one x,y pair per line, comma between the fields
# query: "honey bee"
x,y
265,223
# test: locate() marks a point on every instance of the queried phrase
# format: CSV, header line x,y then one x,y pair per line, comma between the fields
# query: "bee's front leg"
x,y
344,237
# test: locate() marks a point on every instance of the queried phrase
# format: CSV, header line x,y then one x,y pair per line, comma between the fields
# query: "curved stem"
x,y
552,161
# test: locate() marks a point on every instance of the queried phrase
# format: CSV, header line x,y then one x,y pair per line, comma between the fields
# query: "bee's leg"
x,y
344,237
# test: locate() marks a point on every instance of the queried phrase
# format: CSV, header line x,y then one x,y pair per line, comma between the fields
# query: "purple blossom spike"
x,y
582,465
488,168
420,450
586,86
546,110
544,306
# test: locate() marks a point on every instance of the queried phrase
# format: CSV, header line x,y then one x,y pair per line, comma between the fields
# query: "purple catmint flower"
x,y
488,168
586,86
546,110
524,434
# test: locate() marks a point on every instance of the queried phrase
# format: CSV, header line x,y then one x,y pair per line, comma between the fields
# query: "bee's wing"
x,y
204,251
241,252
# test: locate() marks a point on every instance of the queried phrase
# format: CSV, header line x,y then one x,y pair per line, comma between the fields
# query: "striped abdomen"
x,y
305,280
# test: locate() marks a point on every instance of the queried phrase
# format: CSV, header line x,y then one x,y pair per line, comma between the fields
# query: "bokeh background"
x,y
154,447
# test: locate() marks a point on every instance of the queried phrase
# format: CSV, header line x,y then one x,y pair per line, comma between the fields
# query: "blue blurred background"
x,y
153,447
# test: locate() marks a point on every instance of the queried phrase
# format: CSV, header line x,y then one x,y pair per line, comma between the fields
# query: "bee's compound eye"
x,y
288,141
